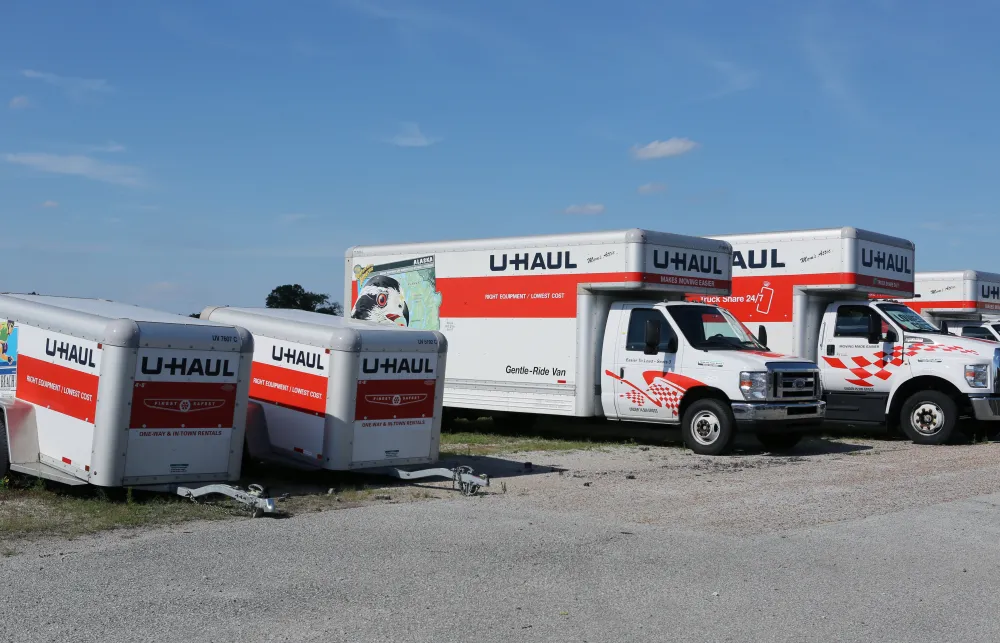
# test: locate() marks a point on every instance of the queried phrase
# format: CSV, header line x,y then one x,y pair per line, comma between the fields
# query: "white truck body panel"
x,y
344,394
116,395
969,300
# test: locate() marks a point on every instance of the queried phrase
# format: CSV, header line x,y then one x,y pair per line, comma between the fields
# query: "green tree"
x,y
295,296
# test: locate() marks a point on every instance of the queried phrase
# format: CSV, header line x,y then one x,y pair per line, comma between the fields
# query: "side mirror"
x,y
944,327
672,345
874,329
652,337
762,335
891,337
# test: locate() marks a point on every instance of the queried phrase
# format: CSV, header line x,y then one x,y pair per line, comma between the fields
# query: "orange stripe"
x,y
954,305
294,390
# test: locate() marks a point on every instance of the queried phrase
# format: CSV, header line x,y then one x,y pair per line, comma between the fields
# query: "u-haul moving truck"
x,y
587,325
341,394
966,302
821,294
115,395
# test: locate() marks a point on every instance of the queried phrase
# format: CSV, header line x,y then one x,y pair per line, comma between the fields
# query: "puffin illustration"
x,y
382,301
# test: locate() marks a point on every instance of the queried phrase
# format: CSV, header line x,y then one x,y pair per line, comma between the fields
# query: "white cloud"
x,y
19,102
586,208
736,78
75,87
663,149
79,166
411,136
651,188
50,204
294,217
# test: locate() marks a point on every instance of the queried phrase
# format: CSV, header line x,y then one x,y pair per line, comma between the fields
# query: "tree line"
x,y
297,297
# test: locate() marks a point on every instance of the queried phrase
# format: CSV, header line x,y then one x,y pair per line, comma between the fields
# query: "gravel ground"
x,y
847,540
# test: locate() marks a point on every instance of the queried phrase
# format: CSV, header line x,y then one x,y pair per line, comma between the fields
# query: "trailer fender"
x,y
256,441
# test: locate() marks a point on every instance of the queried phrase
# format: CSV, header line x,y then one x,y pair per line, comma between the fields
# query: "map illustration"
x,y
402,292
8,355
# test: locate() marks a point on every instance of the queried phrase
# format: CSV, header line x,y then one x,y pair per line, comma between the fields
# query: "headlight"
x,y
977,375
753,384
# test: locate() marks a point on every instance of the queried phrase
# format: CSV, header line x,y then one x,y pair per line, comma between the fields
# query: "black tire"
x,y
929,417
4,452
779,441
708,427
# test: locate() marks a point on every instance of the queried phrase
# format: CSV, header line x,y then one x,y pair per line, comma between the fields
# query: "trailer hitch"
x,y
253,497
461,477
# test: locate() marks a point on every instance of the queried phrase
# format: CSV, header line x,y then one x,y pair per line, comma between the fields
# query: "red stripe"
x,y
769,298
537,296
61,389
189,405
394,399
288,388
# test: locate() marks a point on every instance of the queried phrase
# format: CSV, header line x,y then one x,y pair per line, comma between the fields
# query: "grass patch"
x,y
29,508
475,443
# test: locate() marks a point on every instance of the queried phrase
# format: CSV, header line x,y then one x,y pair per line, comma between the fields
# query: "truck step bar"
x,y
461,477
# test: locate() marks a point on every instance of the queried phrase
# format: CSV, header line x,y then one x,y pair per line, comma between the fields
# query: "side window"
x,y
852,321
636,338
976,331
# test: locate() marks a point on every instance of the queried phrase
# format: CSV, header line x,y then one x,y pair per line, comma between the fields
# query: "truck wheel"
x,y
929,417
708,427
4,453
779,441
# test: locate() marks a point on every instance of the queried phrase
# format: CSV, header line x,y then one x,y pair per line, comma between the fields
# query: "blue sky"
x,y
185,153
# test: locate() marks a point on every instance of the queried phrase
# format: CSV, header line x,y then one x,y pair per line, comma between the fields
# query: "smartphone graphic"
x,y
764,298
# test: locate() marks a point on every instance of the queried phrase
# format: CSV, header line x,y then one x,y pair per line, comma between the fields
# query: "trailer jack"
x,y
252,497
462,477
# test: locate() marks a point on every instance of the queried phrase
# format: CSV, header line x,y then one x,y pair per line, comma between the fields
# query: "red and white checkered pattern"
x,y
662,393
885,364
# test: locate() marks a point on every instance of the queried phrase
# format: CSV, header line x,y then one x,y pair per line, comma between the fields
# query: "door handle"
x,y
621,372
830,349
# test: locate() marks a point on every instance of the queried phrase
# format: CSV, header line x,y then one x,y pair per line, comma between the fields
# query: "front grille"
x,y
996,371
796,385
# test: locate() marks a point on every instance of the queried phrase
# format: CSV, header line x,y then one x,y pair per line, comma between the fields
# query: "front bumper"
x,y
777,417
986,408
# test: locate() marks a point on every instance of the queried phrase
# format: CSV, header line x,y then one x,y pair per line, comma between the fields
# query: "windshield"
x,y
709,328
908,318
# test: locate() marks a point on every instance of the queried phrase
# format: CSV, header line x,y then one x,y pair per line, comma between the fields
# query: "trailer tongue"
x,y
345,395
97,392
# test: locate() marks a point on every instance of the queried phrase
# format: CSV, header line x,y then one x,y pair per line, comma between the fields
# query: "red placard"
x,y
394,399
61,389
189,405
289,388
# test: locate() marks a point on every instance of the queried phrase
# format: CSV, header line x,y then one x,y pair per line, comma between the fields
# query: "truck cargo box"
x,y
524,316
957,294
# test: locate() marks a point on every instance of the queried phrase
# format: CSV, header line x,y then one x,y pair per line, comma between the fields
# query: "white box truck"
x,y
590,324
345,395
102,393
822,295
963,302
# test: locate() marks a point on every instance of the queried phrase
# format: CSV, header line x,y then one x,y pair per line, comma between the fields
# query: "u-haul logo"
x,y
686,262
183,405
397,365
70,352
188,367
396,400
297,357
888,261
755,260
989,292
532,261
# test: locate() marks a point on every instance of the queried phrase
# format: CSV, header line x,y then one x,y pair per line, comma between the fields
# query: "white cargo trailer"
x,y
590,324
345,395
113,395
824,295
965,302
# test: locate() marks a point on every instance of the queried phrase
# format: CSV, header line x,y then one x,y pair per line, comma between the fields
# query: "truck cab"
x,y
988,330
833,296
695,364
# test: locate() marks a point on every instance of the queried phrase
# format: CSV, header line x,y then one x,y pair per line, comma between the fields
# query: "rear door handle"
x,y
830,349
621,372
